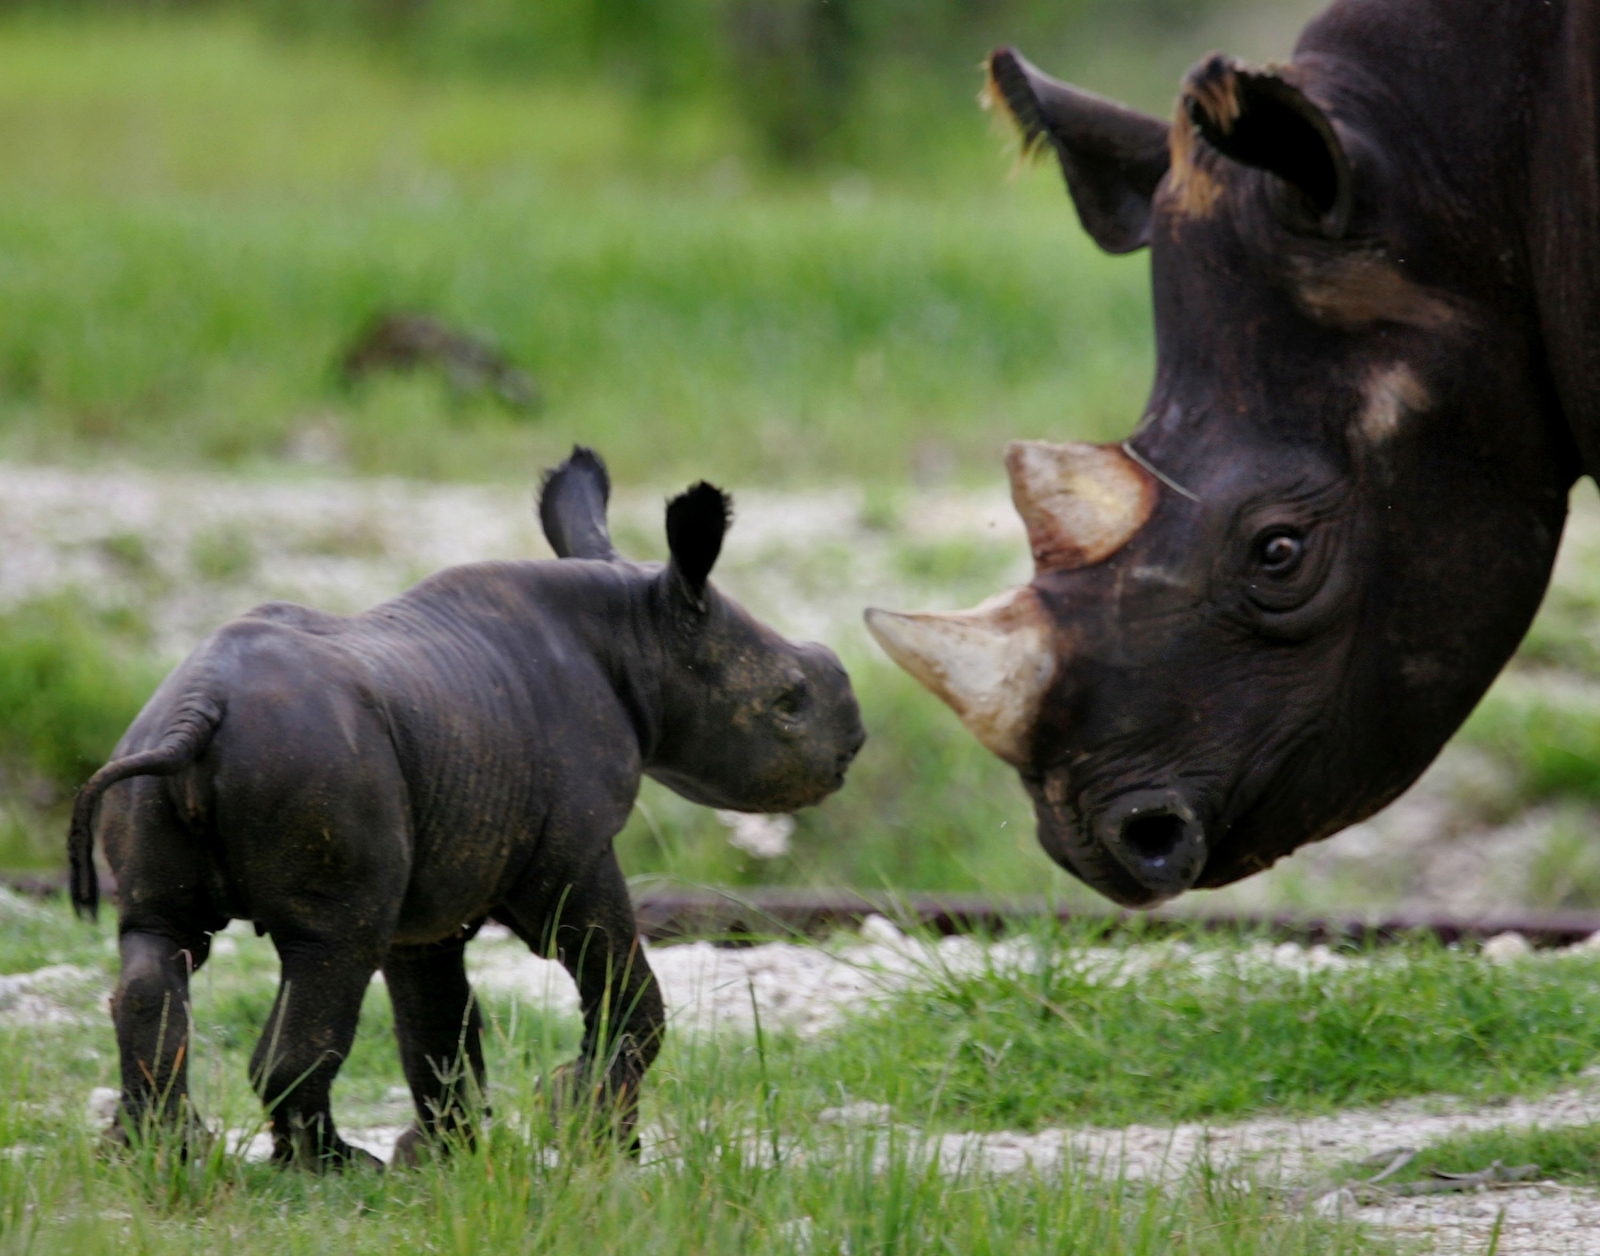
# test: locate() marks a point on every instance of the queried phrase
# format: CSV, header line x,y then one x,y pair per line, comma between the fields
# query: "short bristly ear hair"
x,y
697,520
1259,118
1111,156
572,506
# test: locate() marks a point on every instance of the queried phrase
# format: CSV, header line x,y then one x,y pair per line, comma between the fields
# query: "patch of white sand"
x,y
809,988
53,995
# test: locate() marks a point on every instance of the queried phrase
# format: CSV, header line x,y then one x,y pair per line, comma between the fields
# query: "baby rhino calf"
x,y
368,790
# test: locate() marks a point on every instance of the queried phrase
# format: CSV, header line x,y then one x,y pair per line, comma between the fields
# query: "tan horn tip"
x,y
991,665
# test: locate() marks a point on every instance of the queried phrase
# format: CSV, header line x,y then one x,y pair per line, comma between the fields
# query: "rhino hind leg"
x,y
596,939
440,1032
164,925
307,1037
151,1011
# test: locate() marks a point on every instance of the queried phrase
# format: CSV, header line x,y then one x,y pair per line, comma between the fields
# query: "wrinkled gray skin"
x,y
368,790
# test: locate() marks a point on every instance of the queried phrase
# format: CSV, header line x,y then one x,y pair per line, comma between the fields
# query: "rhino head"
x,y
748,720
1258,619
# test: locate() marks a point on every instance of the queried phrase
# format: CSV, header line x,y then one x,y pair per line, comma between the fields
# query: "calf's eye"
x,y
1280,552
790,701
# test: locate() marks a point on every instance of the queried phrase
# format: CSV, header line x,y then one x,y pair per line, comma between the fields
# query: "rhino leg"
x,y
164,925
311,817
597,941
151,1012
307,1038
440,1031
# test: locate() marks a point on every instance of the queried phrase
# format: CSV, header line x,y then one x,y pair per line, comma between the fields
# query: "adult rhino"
x,y
1376,277
369,789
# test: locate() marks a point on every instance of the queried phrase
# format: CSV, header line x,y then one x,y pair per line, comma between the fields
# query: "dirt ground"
x,y
808,988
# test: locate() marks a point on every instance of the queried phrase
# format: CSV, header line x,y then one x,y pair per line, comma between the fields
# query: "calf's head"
x,y
1259,618
746,719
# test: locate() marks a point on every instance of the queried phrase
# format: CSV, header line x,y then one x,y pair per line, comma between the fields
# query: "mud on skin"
x,y
369,789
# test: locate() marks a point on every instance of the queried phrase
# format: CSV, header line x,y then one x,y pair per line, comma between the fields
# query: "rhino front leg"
x,y
440,1032
596,940
307,1038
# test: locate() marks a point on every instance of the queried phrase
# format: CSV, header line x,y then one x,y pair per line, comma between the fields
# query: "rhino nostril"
x,y
1156,837
1153,836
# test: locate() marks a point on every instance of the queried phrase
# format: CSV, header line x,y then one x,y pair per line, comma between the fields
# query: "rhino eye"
x,y
1279,553
791,701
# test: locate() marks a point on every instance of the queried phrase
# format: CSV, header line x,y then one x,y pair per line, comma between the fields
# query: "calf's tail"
x,y
188,734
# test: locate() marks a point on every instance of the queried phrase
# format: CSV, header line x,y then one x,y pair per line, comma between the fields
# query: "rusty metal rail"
x,y
739,915
736,913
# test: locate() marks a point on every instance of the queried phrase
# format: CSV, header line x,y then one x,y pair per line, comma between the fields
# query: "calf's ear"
x,y
572,507
697,520
1111,156
1258,118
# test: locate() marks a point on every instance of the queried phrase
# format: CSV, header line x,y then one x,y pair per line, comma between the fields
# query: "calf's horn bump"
x,y
991,665
1081,503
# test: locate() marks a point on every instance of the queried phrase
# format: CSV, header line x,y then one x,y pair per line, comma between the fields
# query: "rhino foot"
x,y
605,1107
186,1137
413,1149
328,1154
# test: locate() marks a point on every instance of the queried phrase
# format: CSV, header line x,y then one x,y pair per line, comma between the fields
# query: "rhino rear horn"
x,y
991,665
572,507
1081,503
1112,157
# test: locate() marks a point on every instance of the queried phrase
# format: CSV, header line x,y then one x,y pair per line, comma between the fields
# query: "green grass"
x,y
708,1185
1217,1034
1549,735
257,202
1567,1153
864,1197
1213,1035
70,683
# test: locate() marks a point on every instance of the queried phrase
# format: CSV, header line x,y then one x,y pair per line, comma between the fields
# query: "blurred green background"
x,y
768,240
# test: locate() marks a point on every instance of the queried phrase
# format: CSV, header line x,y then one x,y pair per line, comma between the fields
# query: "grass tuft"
x,y
1196,1031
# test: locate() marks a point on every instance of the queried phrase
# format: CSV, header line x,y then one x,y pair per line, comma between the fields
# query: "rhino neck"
x,y
608,612
1497,148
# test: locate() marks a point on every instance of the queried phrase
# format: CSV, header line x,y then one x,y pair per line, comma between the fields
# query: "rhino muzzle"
x,y
1156,837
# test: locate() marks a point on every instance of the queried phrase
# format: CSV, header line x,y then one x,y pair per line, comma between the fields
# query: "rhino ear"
x,y
697,520
1258,118
572,507
1111,156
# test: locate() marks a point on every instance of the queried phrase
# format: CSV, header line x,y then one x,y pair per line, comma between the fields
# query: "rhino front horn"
x,y
1081,503
991,665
